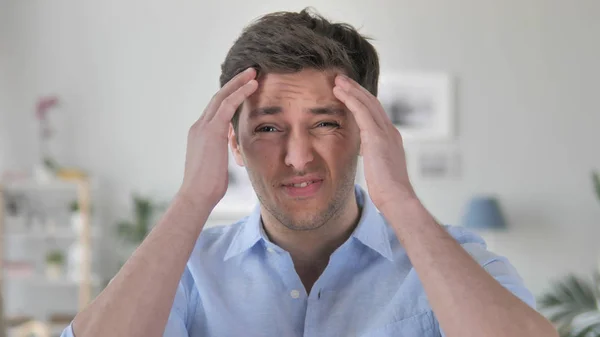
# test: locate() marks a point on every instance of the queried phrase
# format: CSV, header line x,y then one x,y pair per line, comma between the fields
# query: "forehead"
x,y
308,86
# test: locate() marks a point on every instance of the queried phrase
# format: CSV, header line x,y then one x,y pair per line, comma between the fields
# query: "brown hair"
x,y
287,42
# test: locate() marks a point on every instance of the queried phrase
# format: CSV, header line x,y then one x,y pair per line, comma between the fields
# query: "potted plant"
x,y
135,230
596,182
572,306
46,168
75,252
76,219
55,260
573,303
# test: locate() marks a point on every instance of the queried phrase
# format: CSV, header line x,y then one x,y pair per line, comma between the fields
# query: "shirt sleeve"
x,y
180,312
176,325
68,332
502,271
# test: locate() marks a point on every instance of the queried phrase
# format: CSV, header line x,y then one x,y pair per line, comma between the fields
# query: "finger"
x,y
363,95
229,88
230,104
361,113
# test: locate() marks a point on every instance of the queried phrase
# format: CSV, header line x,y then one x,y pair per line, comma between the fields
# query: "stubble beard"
x,y
310,219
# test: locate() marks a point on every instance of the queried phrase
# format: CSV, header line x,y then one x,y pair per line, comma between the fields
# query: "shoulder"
x,y
217,239
209,251
475,245
464,235
497,265
469,240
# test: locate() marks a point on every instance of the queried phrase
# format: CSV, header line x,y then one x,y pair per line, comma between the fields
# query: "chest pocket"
x,y
419,325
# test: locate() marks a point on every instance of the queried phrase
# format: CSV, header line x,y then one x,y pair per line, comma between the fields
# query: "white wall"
x,y
134,75
3,90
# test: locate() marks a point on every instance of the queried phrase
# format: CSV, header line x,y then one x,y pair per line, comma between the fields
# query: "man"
x,y
316,258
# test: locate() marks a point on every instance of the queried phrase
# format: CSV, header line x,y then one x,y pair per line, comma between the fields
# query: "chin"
x,y
308,217
304,223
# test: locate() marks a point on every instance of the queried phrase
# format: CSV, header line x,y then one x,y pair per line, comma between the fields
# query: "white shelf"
x,y
42,281
55,330
31,185
26,282
62,233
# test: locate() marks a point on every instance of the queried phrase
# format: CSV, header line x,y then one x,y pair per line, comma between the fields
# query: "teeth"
x,y
304,184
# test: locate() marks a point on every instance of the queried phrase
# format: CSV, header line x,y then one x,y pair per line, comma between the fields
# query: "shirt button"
x,y
270,250
295,293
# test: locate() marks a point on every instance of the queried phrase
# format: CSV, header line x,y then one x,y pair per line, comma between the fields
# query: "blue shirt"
x,y
238,283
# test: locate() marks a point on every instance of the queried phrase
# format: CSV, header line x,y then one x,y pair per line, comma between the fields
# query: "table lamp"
x,y
483,213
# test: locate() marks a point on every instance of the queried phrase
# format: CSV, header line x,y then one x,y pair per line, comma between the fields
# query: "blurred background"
x,y
96,98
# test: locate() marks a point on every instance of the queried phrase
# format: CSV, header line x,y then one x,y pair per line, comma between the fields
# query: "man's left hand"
x,y
381,145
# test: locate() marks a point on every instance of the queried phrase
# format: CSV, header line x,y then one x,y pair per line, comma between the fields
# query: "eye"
x,y
266,129
332,125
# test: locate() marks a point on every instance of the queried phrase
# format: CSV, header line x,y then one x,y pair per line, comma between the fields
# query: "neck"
x,y
310,249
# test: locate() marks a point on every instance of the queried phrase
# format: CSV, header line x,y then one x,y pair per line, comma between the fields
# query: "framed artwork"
x,y
420,104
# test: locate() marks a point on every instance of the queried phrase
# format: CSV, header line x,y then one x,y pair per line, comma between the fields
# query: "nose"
x,y
299,151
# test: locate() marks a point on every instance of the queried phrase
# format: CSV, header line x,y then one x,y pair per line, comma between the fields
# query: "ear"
x,y
235,147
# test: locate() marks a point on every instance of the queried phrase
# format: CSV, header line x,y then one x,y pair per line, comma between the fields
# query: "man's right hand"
x,y
206,164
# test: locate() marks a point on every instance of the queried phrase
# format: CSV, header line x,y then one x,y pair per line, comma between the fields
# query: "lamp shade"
x,y
483,212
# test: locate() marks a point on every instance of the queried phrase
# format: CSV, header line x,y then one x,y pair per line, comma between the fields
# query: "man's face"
x,y
300,146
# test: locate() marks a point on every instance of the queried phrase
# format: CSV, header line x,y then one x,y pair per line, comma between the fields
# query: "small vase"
x,y
42,174
54,271
77,222
74,257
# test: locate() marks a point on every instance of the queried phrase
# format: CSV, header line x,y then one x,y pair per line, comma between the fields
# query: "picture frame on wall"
x,y
420,104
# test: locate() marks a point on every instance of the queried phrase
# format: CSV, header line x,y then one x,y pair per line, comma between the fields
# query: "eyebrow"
x,y
323,110
329,110
269,110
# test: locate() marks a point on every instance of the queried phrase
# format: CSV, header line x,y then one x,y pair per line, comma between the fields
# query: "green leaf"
x,y
51,164
136,230
586,322
572,306
590,331
126,230
596,181
55,256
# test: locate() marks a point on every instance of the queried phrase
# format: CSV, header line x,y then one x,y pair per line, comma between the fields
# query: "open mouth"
x,y
304,189
303,184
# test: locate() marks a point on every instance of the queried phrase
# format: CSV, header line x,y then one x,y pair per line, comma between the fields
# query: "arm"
x,y
144,289
138,300
465,298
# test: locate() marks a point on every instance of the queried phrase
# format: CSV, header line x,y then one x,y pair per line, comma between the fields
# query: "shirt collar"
x,y
370,231
249,233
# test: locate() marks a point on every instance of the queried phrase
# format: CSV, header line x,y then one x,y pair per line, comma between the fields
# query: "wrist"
x,y
405,211
400,198
195,200
197,210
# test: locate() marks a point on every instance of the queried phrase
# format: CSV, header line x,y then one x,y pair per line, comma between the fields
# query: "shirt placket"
x,y
317,302
294,293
